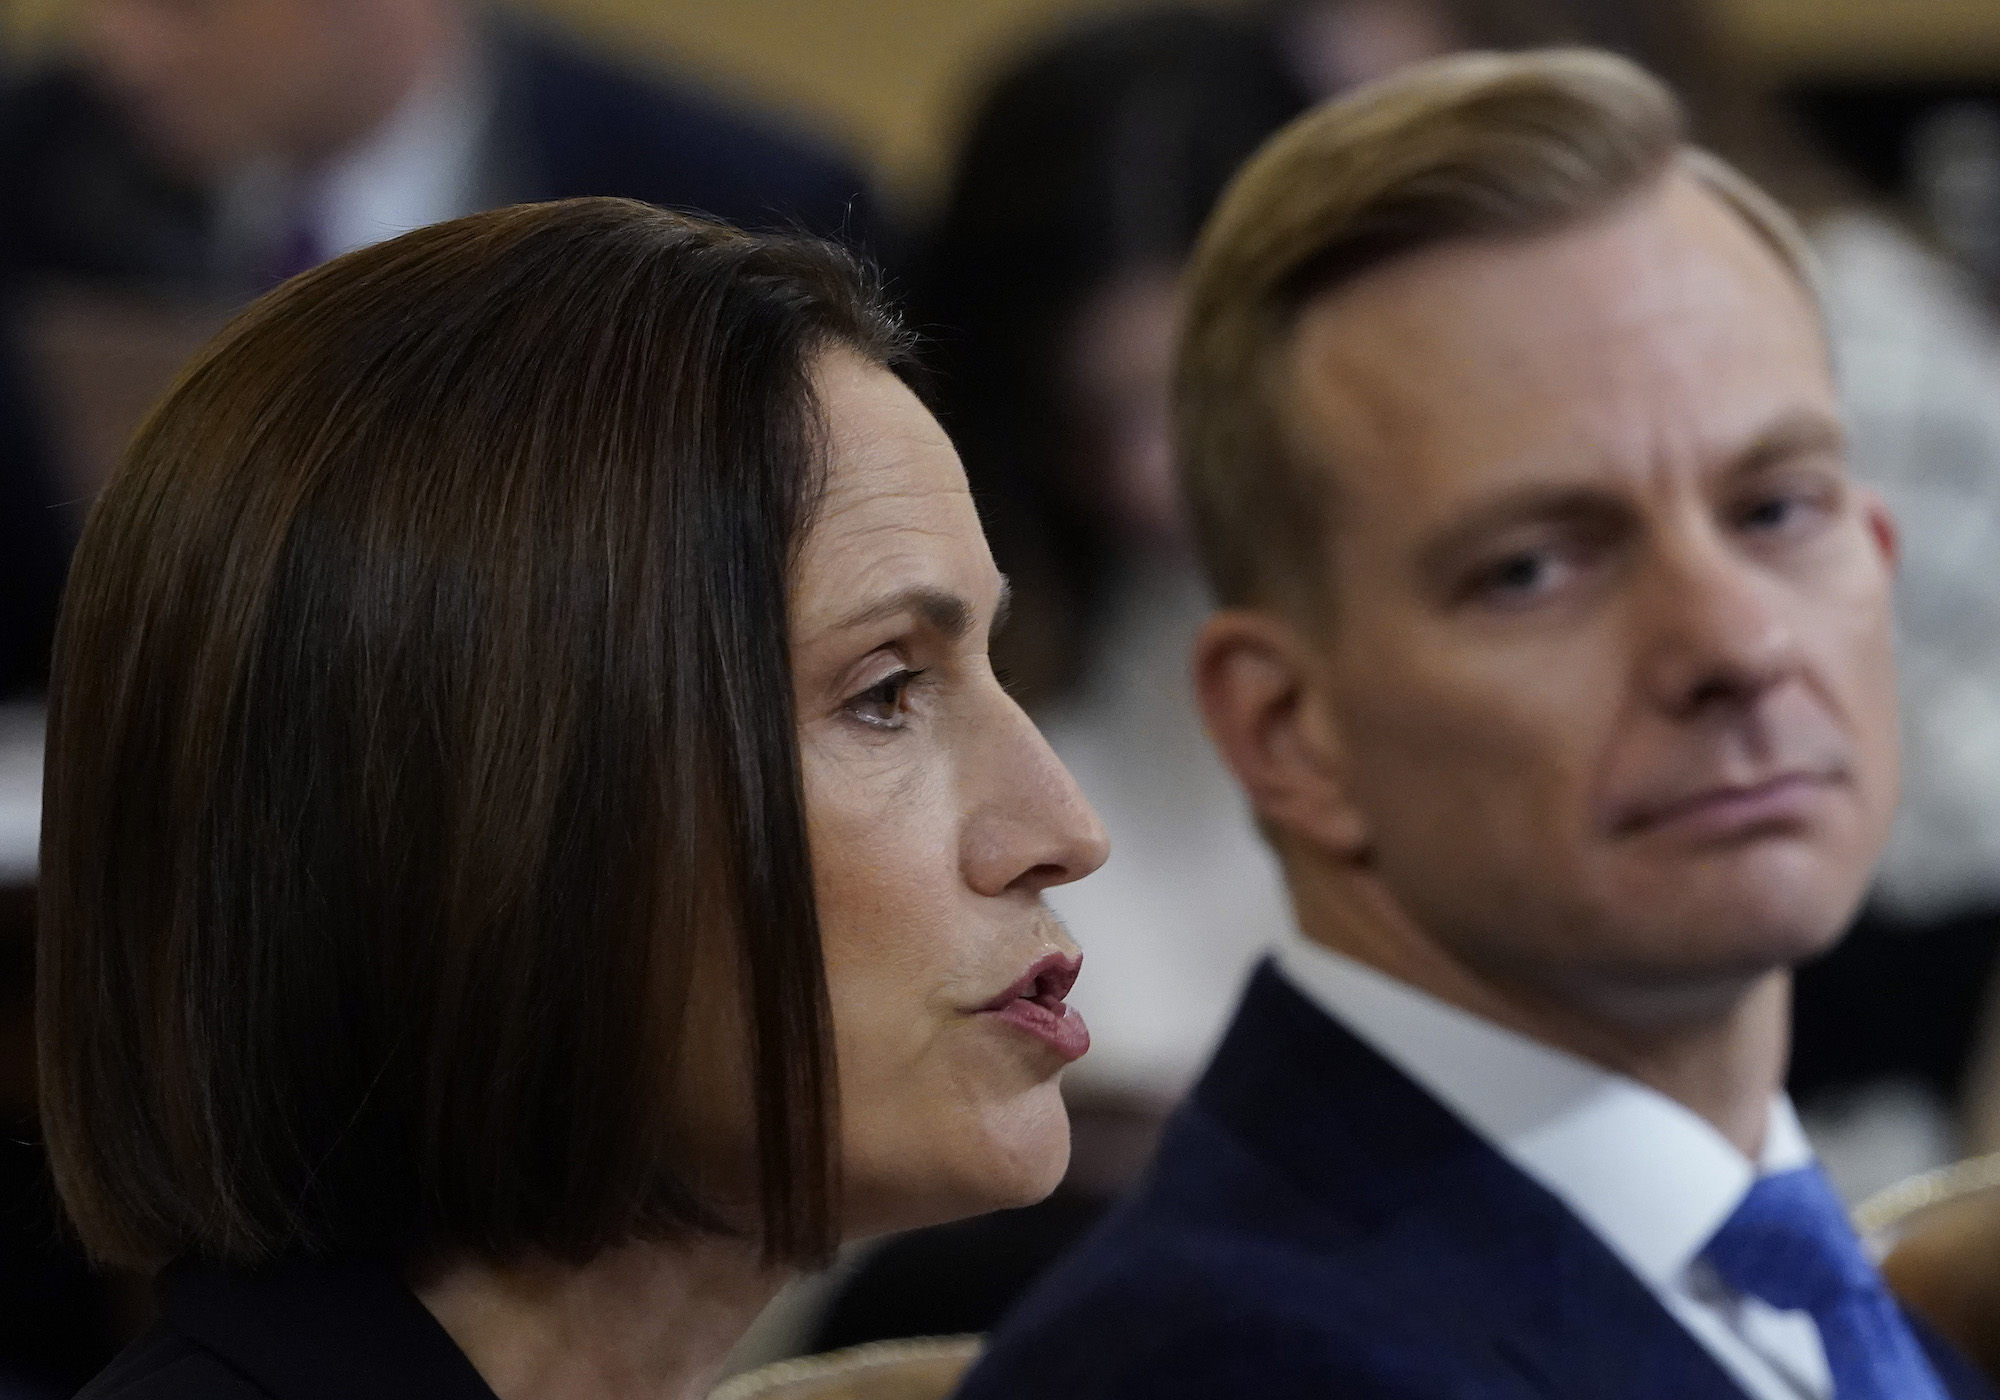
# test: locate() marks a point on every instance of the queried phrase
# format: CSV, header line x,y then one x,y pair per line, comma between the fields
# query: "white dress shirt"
x,y
1648,1176
421,166
427,162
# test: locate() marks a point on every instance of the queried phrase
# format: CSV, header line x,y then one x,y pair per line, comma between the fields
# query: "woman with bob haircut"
x,y
535,852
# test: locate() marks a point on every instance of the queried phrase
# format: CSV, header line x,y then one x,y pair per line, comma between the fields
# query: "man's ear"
x,y
1881,526
1268,715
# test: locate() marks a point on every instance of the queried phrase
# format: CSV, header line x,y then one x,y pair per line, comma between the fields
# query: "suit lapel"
x,y
1410,1193
1598,1331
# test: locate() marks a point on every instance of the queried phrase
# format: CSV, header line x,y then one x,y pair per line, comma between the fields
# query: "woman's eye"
x,y
882,704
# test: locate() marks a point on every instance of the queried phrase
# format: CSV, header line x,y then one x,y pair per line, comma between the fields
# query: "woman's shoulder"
x,y
164,1365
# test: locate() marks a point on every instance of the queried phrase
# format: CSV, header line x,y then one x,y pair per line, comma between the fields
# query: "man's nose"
x,y
1716,630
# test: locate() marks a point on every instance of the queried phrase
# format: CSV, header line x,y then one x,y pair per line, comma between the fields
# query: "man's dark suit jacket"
x,y
81,200
1316,1225
302,1332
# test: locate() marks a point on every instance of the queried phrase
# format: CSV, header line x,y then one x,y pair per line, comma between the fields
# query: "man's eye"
x,y
1519,578
1776,513
881,705
1790,508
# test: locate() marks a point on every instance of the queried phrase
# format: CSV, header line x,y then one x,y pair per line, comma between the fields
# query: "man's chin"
x,y
1760,912
1732,949
1700,963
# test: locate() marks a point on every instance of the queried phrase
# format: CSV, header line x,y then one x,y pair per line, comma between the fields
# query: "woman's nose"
x,y
1029,826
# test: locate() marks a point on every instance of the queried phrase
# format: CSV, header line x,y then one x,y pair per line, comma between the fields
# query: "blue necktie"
x,y
1790,1245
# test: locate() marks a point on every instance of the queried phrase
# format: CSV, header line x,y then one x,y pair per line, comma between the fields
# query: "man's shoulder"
x,y
593,89
164,1365
1189,1305
606,128
1313,1224
80,196
1220,1276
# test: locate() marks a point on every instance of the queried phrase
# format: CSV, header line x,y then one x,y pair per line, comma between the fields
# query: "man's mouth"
x,y
1725,810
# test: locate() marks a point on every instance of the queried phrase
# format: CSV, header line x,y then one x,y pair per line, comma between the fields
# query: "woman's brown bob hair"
x,y
422,755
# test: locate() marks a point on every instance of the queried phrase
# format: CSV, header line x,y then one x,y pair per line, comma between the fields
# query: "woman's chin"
x,y
1010,1155
1029,1162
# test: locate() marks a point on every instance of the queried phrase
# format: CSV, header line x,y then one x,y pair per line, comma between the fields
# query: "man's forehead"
x,y
1666,303
1680,214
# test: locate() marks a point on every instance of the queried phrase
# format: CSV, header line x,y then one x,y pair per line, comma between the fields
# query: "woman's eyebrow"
x,y
944,611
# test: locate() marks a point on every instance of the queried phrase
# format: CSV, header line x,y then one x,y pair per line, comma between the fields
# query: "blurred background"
x,y
894,78
1030,174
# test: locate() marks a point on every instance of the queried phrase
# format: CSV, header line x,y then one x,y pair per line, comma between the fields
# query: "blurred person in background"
x,y
1899,1004
179,156
1050,290
214,147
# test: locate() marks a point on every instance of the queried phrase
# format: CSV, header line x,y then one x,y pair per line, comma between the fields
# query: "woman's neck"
x,y
642,1320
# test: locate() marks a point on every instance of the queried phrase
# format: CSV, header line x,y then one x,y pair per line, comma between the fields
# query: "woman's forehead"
x,y
896,510
888,460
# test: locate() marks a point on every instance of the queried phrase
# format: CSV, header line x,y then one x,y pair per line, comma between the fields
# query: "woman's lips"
x,y
1035,1004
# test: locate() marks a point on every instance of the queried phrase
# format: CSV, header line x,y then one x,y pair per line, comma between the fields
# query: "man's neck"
x,y
1717,1048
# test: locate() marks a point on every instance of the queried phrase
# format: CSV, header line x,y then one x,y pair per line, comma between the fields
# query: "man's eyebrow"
x,y
950,615
1522,506
1803,434
1795,435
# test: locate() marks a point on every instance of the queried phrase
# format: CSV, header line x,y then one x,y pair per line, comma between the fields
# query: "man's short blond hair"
x,y
1466,147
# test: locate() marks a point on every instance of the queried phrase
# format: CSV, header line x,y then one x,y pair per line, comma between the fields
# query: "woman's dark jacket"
x,y
297,1332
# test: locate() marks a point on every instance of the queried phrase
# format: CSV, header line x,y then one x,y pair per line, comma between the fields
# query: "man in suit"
x,y
1555,662
211,149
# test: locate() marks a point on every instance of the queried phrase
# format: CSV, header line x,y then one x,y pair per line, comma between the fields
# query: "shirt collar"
x,y
1650,1177
422,165
419,167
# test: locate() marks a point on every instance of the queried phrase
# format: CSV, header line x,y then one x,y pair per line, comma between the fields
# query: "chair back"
x,y
1938,1236
922,1368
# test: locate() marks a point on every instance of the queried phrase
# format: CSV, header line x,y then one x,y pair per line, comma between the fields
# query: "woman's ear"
x,y
1267,713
